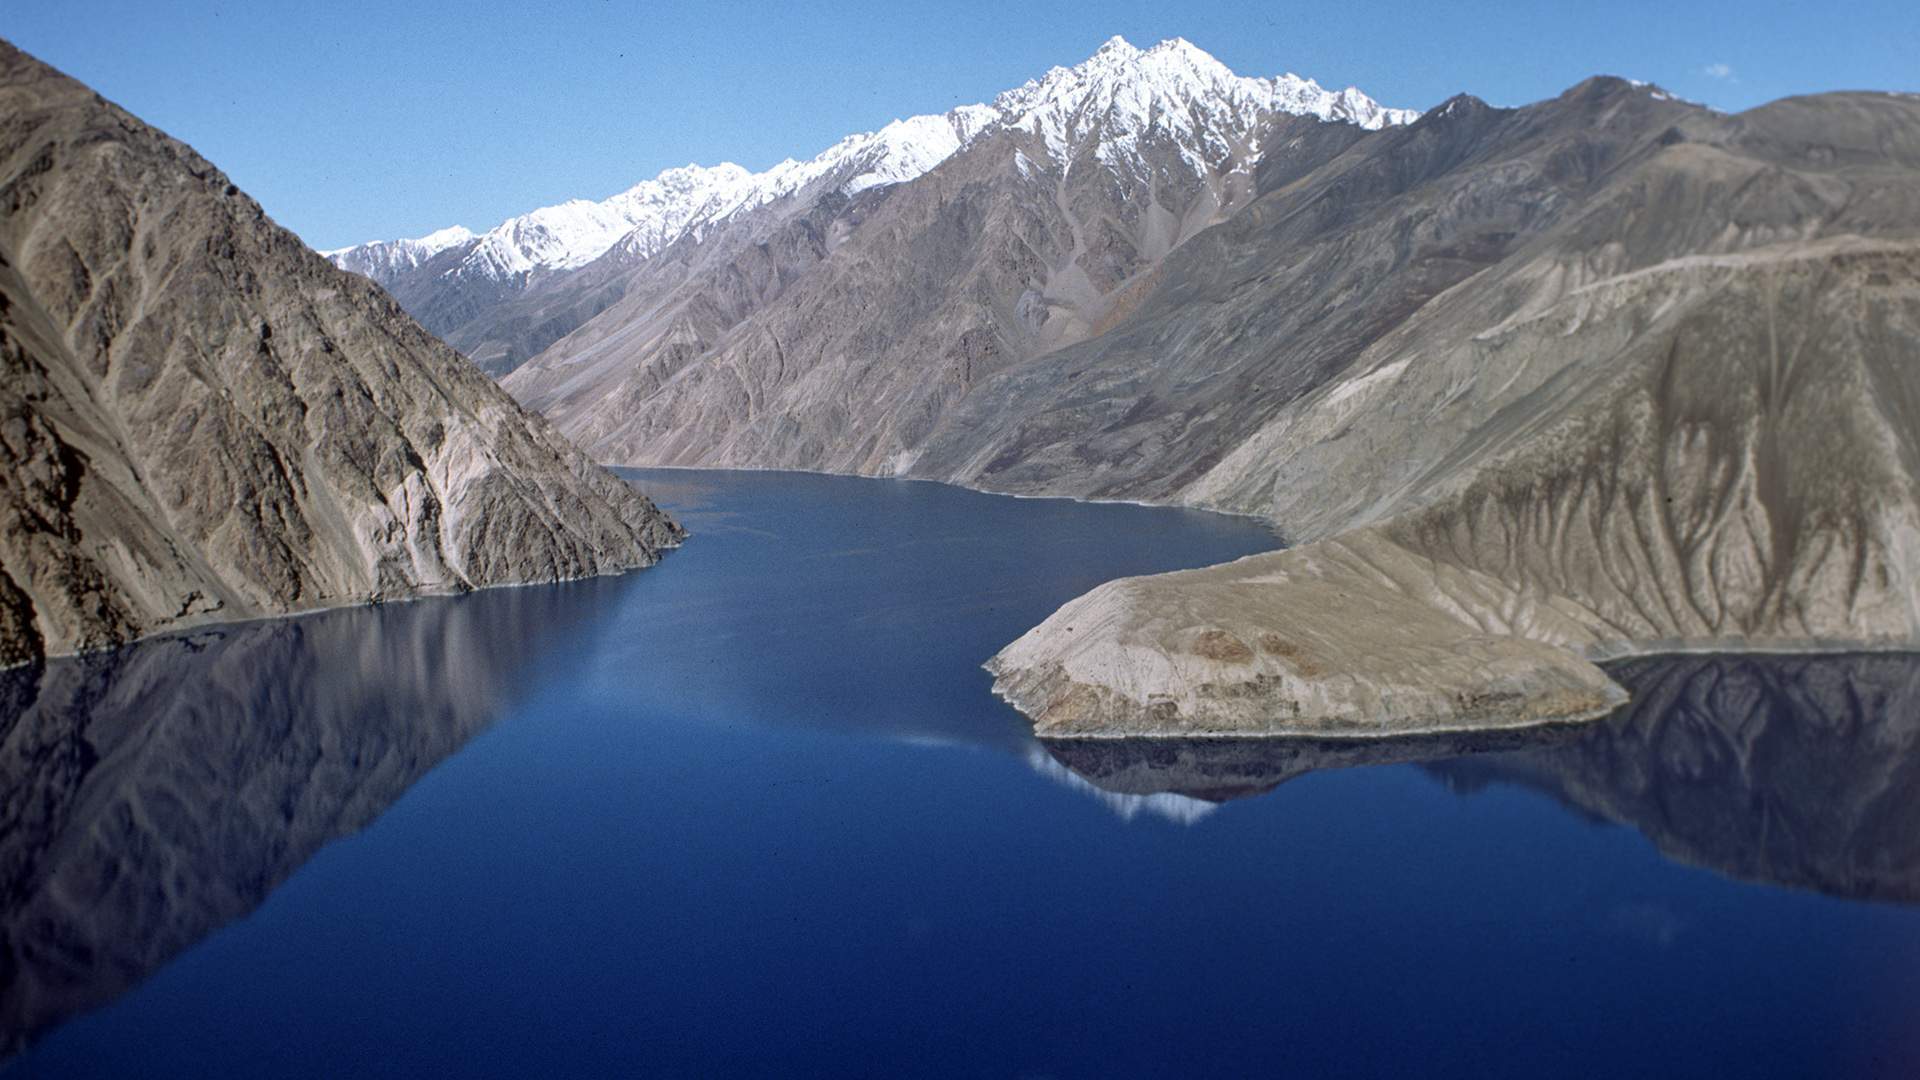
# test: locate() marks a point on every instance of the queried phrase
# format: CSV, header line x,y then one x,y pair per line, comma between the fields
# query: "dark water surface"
x,y
755,812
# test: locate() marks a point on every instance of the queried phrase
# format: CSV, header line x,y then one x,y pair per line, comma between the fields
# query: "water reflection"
x,y
1184,779
150,795
1801,771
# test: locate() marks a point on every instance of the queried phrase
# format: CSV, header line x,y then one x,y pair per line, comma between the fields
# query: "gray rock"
x,y
501,322
1343,638
203,420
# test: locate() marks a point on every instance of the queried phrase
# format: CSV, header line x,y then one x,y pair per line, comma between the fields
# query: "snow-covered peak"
x,y
906,148
576,232
431,244
1115,101
443,239
382,260
1176,89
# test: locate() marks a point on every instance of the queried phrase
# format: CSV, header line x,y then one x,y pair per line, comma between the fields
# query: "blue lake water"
x,y
755,811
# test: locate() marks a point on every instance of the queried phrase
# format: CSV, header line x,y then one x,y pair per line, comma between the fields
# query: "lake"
x,y
755,811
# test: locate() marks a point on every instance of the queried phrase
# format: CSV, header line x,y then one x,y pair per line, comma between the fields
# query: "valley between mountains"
x,y
1528,388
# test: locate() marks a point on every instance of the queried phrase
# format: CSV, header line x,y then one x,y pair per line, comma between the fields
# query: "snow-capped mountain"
x,y
1177,90
570,234
577,232
385,259
1113,100
1025,227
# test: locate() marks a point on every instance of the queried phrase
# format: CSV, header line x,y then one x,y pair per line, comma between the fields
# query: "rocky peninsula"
x,y
1733,468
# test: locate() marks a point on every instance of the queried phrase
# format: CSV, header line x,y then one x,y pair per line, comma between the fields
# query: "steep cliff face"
x,y
202,420
1681,414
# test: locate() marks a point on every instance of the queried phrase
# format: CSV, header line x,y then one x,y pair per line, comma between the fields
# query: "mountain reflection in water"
x,y
150,795
1795,770
1801,771
1218,770
155,793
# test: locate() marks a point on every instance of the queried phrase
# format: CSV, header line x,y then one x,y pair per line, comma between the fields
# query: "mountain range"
x,y
1531,387
510,292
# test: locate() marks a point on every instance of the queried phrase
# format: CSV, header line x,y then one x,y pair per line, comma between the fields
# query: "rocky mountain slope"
x,y
504,296
1648,380
202,420
388,261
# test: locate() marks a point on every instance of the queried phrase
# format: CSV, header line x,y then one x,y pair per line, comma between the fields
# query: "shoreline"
x,y
1088,500
1722,647
191,627
1600,658
1570,722
1599,655
185,628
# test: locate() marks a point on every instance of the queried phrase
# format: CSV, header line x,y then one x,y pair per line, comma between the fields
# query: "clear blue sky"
x,y
352,121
